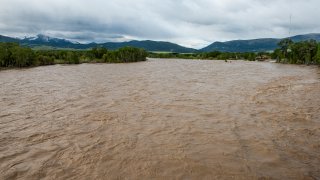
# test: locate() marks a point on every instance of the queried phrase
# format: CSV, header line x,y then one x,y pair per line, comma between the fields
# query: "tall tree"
x,y
316,58
284,45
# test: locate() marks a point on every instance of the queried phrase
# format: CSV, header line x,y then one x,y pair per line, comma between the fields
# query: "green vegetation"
x,y
14,55
215,55
304,52
125,54
11,54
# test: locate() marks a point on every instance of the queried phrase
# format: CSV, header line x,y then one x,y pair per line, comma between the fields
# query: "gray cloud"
x,y
187,22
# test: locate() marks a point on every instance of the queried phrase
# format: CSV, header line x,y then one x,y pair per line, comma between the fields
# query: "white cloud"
x,y
187,22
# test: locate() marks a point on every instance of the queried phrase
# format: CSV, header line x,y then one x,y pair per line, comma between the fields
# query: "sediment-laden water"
x,y
161,119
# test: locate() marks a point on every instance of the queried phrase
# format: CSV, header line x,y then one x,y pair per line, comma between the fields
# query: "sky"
x,y
191,23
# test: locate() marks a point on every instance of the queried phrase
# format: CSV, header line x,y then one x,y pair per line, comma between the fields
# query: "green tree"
x,y
125,54
72,58
7,60
316,58
111,57
44,60
3,55
304,52
284,45
252,57
23,57
98,52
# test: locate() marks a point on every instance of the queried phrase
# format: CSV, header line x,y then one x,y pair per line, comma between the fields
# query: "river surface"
x,y
161,119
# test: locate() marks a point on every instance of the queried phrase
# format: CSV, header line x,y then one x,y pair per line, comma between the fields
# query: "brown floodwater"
x,y
161,119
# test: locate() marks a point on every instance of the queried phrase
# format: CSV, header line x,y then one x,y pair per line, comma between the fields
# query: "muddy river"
x,y
161,119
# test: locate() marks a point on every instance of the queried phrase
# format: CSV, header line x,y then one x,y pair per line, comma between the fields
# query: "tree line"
x,y
14,55
304,52
215,55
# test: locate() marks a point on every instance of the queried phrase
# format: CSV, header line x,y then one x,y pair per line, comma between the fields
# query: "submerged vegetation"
x,y
14,55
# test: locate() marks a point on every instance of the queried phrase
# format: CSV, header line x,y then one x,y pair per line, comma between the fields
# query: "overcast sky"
x,y
192,23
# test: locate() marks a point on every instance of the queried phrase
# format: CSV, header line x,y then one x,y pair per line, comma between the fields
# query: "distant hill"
x,y
42,40
254,45
8,39
46,42
151,46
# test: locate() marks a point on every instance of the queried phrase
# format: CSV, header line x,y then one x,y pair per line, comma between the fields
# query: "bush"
x,y
22,57
98,52
126,54
44,60
316,58
111,57
304,52
12,55
72,58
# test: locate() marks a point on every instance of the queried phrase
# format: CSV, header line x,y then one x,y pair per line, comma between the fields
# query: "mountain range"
x,y
253,45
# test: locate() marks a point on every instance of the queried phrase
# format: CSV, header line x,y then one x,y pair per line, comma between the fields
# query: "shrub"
x,y
44,60
126,54
72,58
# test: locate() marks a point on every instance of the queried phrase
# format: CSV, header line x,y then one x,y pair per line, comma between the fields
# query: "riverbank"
x,y
12,55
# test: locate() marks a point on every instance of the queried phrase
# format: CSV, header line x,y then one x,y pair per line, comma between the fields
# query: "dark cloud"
x,y
187,22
